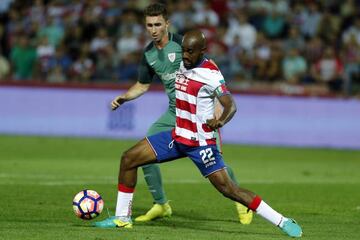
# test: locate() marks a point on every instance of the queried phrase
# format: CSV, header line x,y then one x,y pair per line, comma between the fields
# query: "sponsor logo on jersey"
x,y
181,82
168,76
172,57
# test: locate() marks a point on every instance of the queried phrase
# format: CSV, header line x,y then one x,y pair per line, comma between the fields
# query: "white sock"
x,y
124,204
270,214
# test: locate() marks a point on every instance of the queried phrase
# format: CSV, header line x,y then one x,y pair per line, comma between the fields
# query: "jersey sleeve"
x,y
215,83
146,73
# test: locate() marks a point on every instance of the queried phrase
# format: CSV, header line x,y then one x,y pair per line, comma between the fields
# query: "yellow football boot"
x,y
245,215
157,211
120,223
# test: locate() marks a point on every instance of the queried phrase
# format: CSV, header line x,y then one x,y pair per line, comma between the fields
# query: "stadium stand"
x,y
283,47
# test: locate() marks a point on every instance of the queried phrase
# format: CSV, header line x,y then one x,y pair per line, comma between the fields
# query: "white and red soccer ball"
x,y
88,204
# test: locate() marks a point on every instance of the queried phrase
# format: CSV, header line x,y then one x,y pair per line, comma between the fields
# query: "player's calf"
x,y
229,189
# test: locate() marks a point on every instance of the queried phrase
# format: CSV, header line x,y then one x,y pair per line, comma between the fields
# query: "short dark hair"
x,y
156,9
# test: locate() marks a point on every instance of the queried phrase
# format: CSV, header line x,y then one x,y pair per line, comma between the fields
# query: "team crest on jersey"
x,y
172,57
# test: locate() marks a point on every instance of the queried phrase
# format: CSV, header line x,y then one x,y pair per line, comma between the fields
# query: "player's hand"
x,y
214,123
117,102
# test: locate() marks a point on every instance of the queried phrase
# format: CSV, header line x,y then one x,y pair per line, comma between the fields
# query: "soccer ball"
x,y
87,204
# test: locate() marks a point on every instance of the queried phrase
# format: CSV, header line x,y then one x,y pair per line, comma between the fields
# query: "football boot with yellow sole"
x,y
157,211
245,214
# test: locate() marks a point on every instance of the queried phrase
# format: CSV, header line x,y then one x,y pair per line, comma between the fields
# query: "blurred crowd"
x,y
278,42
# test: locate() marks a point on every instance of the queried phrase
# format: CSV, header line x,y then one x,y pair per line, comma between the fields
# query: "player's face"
x,y
191,53
157,27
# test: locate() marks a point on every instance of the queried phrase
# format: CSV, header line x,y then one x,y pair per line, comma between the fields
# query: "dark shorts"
x,y
208,159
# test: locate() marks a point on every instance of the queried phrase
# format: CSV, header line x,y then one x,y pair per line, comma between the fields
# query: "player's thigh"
x,y
207,158
140,154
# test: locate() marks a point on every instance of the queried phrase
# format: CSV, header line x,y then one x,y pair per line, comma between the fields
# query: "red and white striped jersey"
x,y
195,91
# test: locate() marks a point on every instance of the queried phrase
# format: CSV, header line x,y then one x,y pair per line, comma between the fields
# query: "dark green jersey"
x,y
164,63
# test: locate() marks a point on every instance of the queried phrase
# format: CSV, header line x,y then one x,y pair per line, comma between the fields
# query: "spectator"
x,y
100,41
112,10
221,8
60,60
328,70
204,13
88,25
241,29
329,27
294,66
352,31
3,41
129,20
179,18
274,25
295,18
127,43
23,59
53,31
235,53
56,9
310,19
4,67
106,63
37,12
260,6
351,60
56,75
281,7
111,26
208,30
14,26
128,69
295,40
217,50
314,49
74,13
274,71
348,9
44,51
83,68
4,5
73,41
262,55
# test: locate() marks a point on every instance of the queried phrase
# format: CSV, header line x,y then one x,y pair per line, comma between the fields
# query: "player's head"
x,y
156,21
193,48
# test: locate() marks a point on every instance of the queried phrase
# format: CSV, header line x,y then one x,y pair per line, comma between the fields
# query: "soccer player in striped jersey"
x,y
197,84
162,58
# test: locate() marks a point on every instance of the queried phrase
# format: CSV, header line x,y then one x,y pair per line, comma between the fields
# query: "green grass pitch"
x,y
39,176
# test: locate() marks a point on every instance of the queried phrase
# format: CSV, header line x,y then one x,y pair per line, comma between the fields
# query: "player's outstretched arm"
x,y
228,112
134,91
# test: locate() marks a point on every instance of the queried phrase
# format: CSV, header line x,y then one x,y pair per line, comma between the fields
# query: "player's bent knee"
x,y
127,161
